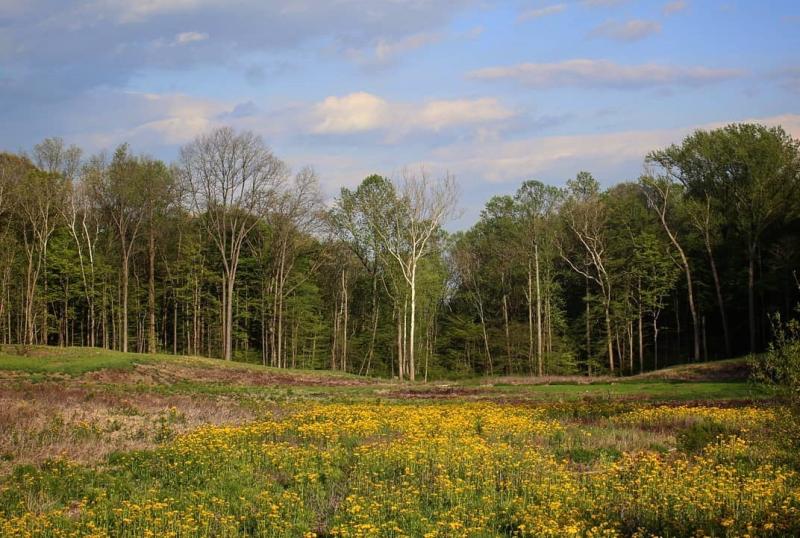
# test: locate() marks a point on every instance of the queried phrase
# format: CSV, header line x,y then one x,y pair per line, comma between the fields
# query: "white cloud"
x,y
603,73
351,113
154,122
385,51
605,154
541,12
183,118
632,30
189,37
119,36
441,114
675,6
361,112
149,121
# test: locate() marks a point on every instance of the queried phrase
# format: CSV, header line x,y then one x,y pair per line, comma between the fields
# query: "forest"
x,y
229,253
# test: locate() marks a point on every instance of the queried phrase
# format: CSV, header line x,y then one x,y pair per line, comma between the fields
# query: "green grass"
x,y
69,361
42,362
299,450
423,469
75,361
655,390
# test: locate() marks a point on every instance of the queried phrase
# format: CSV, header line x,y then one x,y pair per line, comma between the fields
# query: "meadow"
x,y
96,443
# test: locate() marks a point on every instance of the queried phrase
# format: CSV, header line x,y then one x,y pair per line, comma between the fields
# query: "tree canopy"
x,y
228,253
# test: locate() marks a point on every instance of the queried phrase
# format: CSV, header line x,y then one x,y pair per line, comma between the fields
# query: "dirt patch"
x,y
168,374
732,370
40,421
432,393
726,404
549,380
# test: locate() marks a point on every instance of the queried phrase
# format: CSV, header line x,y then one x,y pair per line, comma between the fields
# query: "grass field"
x,y
96,443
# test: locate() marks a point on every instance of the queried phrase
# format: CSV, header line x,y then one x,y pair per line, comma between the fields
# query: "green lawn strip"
x,y
71,361
80,360
653,390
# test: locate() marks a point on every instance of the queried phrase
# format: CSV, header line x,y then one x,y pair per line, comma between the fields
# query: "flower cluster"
x,y
409,470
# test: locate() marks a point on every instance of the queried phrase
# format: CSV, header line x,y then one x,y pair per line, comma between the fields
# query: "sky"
x,y
494,93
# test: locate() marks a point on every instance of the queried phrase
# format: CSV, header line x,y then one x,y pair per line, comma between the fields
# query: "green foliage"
x,y
517,293
334,469
696,437
780,364
71,361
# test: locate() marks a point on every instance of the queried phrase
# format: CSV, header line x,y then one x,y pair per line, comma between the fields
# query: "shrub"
x,y
780,365
697,436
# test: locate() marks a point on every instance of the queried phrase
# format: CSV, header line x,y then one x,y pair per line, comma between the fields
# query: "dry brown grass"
x,y
728,370
170,373
549,380
39,421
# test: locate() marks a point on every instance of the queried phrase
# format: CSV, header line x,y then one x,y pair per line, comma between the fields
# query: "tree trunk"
x,y
530,318
539,360
688,272
45,326
400,337
609,339
279,287
630,346
705,343
151,291
588,332
641,343
508,336
720,301
175,326
124,306
373,335
655,342
30,286
228,344
334,343
344,321
412,324
485,337
751,302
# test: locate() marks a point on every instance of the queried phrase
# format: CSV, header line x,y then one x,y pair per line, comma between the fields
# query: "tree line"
x,y
228,253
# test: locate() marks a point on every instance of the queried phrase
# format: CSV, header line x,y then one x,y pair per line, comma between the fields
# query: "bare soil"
x,y
169,373
40,421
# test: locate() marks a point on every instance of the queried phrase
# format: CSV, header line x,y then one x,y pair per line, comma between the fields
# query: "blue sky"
x,y
492,92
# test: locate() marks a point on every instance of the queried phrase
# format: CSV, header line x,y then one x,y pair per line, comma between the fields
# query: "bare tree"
x,y
704,220
83,222
660,195
585,216
232,179
52,156
405,231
